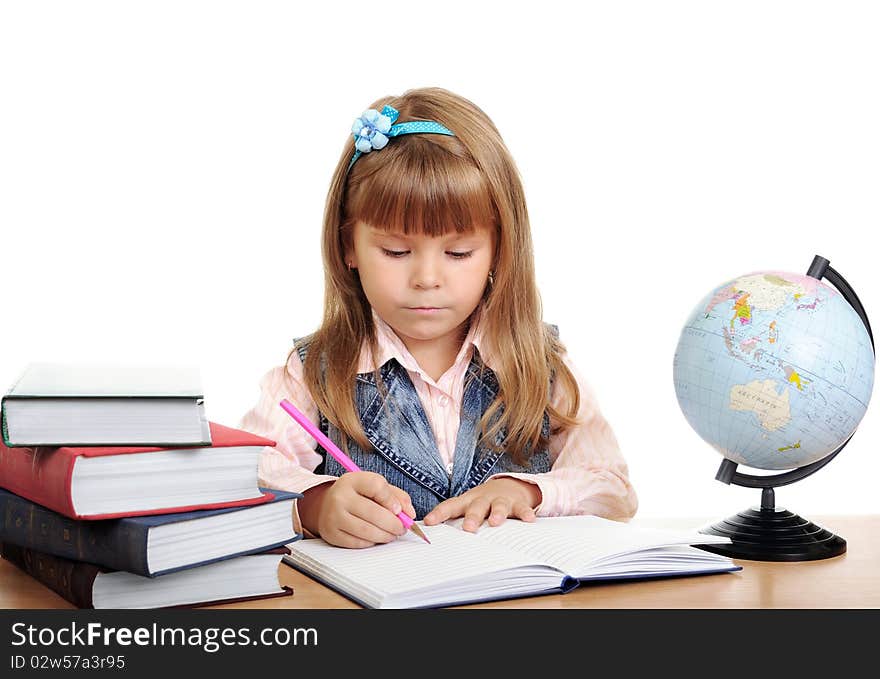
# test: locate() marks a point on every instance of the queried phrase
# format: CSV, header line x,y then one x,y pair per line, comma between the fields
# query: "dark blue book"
x,y
151,545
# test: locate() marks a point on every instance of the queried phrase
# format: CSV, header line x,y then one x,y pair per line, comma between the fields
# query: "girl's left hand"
x,y
497,499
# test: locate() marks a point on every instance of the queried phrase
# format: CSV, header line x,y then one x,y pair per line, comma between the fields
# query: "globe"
x,y
774,370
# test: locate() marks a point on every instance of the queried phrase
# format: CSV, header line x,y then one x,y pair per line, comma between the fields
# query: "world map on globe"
x,y
774,370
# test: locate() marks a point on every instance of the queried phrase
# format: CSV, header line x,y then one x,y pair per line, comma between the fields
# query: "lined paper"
x,y
515,559
408,564
574,543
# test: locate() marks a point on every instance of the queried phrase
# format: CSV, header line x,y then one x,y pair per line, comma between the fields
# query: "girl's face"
x,y
424,287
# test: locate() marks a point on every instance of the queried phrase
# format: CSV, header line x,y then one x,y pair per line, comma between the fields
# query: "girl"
x,y
432,367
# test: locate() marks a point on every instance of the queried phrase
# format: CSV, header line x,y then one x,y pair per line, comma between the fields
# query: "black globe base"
x,y
773,534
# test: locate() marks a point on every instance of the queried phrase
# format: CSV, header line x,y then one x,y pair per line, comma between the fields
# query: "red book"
x,y
110,482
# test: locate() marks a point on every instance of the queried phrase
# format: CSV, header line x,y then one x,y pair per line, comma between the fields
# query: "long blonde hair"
x,y
431,184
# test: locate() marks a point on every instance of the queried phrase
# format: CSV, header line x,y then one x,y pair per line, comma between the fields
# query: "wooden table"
x,y
851,580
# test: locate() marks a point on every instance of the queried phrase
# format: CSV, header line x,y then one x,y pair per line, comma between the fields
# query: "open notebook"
x,y
550,555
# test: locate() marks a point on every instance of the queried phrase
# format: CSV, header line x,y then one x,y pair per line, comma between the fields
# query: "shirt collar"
x,y
391,346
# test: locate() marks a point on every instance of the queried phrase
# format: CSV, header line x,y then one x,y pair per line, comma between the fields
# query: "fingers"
x,y
476,513
523,511
373,524
375,487
342,538
406,502
475,509
360,523
500,509
379,517
365,507
345,528
448,509
362,511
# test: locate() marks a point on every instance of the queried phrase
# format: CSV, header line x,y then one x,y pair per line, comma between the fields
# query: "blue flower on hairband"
x,y
369,130
373,129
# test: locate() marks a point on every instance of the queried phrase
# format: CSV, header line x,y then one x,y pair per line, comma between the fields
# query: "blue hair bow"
x,y
372,130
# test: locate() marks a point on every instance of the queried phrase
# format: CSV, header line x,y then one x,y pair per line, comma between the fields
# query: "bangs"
x,y
420,187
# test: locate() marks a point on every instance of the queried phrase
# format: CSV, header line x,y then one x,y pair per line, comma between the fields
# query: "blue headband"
x,y
373,129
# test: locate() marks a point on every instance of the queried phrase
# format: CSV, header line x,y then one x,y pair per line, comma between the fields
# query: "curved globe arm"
x,y
727,471
850,296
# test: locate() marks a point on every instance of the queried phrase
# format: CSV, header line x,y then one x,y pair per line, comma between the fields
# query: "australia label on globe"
x,y
774,370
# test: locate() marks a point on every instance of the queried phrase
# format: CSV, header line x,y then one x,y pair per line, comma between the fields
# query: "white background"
x,y
164,165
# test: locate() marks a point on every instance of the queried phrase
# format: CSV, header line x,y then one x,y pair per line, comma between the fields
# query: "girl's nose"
x,y
426,273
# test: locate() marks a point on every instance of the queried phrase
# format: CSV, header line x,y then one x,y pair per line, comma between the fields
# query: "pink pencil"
x,y
341,458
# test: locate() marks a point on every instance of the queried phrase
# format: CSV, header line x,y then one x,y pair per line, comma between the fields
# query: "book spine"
x,y
118,545
4,430
284,591
39,474
73,580
262,499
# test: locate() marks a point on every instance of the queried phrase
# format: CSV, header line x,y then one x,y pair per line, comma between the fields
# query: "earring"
x,y
491,278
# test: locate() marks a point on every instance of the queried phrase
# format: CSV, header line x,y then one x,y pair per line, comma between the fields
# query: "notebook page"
x,y
573,543
409,565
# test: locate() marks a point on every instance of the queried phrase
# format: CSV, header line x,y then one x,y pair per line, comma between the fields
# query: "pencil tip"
x,y
418,531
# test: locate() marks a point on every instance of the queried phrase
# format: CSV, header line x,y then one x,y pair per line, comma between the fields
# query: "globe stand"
x,y
770,533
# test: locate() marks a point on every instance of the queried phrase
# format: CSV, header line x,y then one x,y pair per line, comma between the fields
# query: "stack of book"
x,y
117,492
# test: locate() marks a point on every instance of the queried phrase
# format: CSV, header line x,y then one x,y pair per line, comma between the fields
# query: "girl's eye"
x,y
401,253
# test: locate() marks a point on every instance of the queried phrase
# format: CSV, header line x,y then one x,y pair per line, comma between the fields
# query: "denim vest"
x,y
406,453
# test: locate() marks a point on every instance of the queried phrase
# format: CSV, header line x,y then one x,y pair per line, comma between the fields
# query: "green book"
x,y
105,404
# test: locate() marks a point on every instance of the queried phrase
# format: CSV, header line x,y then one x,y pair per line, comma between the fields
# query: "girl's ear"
x,y
350,258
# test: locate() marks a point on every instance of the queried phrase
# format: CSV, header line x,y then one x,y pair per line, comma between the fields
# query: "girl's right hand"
x,y
357,510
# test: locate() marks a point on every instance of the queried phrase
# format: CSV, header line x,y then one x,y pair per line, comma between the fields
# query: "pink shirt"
x,y
588,473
